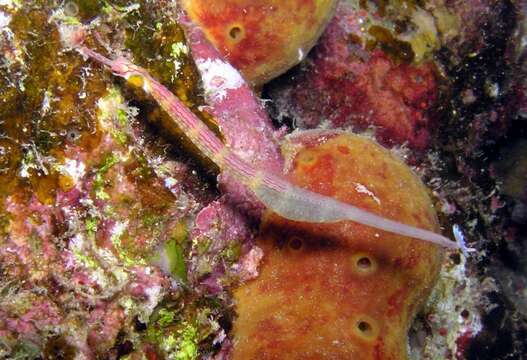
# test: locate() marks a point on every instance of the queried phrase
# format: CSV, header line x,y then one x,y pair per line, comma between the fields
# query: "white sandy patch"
x,y
218,77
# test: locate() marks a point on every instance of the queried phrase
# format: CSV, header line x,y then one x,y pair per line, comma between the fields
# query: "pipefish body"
x,y
273,190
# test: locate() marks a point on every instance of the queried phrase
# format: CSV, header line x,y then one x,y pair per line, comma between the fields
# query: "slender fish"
x,y
273,190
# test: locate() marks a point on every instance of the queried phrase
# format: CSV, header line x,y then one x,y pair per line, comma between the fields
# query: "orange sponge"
x,y
340,291
261,38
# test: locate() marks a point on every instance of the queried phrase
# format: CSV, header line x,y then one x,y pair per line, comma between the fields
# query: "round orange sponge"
x,y
261,38
340,291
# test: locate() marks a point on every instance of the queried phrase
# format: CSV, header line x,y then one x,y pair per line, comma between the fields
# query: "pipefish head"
x,y
124,68
120,66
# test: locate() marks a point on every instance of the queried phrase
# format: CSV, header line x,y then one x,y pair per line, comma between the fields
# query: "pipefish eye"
x,y
136,80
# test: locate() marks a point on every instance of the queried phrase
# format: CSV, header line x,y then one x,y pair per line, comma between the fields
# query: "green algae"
x,y
186,343
232,252
114,112
25,350
183,333
99,182
87,260
176,259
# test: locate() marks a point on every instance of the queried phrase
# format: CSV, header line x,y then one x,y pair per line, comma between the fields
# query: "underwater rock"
x,y
511,169
222,235
472,17
265,38
90,187
340,290
375,66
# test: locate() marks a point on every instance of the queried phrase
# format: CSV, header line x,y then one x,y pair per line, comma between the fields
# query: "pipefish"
x,y
273,190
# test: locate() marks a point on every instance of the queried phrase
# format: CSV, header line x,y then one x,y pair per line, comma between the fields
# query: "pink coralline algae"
x,y
225,234
349,86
